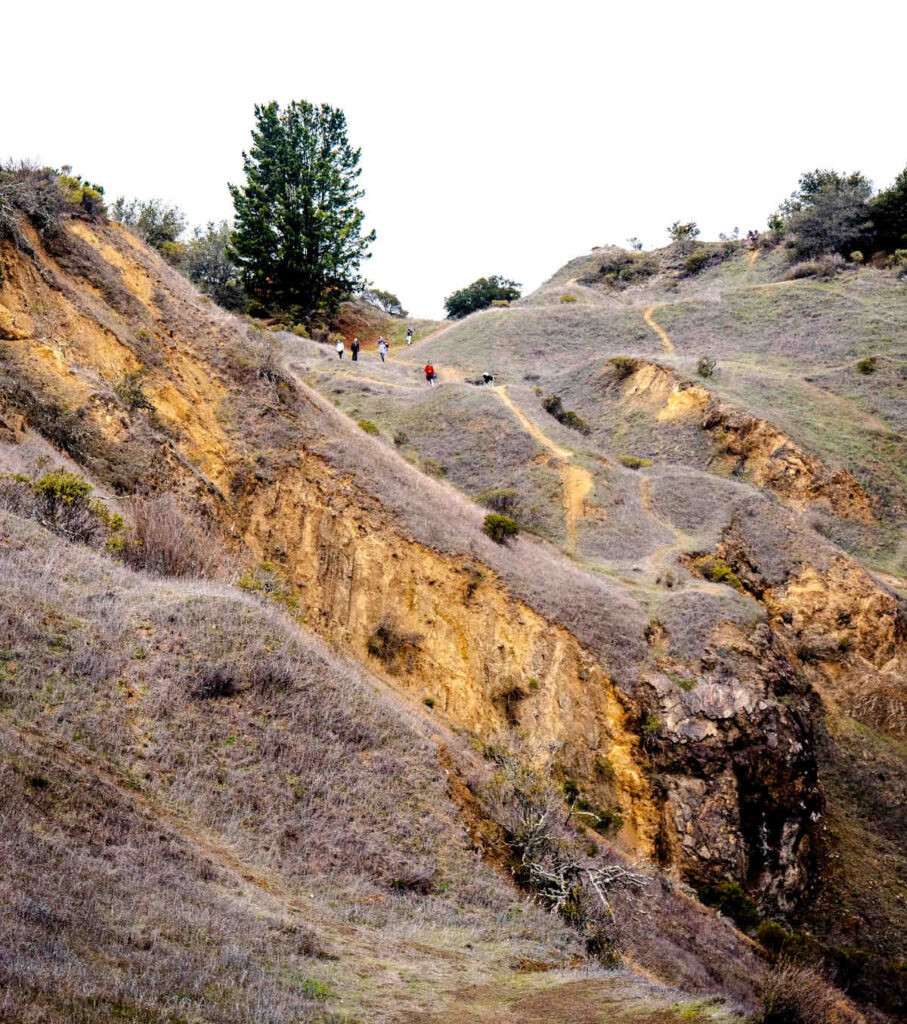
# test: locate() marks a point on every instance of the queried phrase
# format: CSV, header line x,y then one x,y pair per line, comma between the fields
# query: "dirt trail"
x,y
752,256
666,342
577,482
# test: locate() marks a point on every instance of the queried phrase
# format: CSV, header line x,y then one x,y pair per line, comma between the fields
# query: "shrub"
x,y
130,391
866,366
568,298
679,232
500,499
162,538
554,407
394,646
731,899
401,438
793,994
706,366
433,468
773,937
429,702
34,192
369,427
500,528
856,256
153,220
822,269
481,294
64,506
718,571
633,461
623,366
575,422
697,261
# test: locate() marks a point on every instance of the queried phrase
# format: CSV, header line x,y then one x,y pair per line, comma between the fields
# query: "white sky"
x,y
496,137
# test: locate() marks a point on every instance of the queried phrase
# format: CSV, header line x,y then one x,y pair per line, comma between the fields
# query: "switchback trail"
x,y
666,342
577,482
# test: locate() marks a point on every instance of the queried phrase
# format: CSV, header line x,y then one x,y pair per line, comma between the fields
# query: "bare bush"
x,y
794,994
163,539
394,646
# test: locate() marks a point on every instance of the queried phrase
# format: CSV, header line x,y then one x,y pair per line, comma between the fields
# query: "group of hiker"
x,y
383,351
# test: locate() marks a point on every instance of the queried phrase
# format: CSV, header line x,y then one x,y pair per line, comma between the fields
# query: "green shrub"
x,y
697,261
633,461
866,366
605,770
485,292
623,366
369,427
568,298
433,468
731,899
706,366
401,438
500,528
856,256
773,937
130,390
300,331
554,407
718,571
429,702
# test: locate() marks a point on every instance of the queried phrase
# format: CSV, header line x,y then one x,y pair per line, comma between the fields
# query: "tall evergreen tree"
x,y
298,237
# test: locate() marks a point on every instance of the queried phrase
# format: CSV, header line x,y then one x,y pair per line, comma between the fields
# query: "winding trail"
x,y
577,482
666,342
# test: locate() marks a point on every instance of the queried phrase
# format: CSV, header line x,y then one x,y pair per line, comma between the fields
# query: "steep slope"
x,y
679,706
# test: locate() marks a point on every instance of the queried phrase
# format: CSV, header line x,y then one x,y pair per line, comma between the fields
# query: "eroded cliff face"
x,y
714,777
750,446
486,659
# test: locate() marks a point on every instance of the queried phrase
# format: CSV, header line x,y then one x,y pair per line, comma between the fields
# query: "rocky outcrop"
x,y
731,749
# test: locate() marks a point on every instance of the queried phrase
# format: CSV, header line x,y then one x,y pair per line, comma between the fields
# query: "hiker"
x,y
430,374
382,348
354,349
409,336
339,348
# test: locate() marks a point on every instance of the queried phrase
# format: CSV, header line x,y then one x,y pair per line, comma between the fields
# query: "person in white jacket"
x,y
339,347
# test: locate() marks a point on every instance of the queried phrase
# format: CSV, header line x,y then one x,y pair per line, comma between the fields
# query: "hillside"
x,y
717,733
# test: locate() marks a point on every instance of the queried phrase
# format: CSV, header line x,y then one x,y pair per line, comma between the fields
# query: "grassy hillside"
x,y
660,650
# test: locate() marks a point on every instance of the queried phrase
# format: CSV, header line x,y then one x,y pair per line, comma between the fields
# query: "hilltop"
x,y
703,654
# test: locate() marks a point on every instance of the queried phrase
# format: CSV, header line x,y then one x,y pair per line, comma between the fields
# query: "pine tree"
x,y
298,237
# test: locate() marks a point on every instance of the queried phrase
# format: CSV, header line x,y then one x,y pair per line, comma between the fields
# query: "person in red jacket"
x,y
430,374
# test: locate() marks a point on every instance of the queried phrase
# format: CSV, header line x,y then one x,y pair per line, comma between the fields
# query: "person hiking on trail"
x,y
409,336
354,350
430,374
382,348
339,348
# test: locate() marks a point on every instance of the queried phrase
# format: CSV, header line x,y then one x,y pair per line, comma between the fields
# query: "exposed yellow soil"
x,y
134,276
477,643
752,256
767,454
666,342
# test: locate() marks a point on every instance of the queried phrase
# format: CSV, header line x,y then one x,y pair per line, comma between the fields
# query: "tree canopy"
x,y
829,212
157,222
298,237
480,295
889,214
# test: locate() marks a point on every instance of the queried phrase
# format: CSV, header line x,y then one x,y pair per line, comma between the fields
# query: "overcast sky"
x,y
496,137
